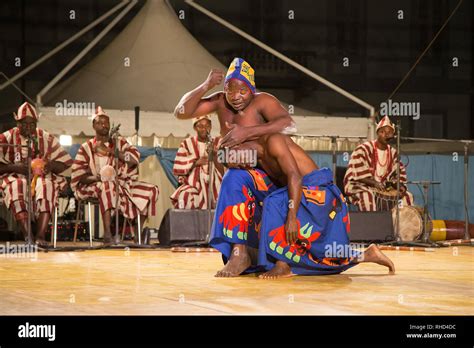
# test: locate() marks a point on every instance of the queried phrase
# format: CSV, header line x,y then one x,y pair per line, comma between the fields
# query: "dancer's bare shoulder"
x,y
262,98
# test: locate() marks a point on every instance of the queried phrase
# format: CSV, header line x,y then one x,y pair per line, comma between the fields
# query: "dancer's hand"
x,y
215,78
236,135
291,229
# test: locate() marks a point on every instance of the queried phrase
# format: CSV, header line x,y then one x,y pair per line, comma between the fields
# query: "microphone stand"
x,y
28,191
466,175
397,222
210,169
115,135
397,240
466,196
210,196
117,200
334,157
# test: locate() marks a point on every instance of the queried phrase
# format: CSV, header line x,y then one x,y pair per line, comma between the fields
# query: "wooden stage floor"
x,y
159,282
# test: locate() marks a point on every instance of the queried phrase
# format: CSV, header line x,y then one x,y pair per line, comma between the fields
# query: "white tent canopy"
x,y
164,123
151,63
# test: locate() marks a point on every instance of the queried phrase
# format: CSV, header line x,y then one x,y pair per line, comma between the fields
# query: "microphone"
x,y
392,139
209,137
34,142
114,130
137,118
209,145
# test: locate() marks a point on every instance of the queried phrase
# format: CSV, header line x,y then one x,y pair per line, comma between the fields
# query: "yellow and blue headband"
x,y
241,70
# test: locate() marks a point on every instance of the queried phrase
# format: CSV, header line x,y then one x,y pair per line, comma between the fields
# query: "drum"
x,y
411,222
385,200
449,230
107,173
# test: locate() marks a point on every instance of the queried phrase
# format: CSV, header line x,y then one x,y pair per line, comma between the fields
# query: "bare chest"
x,y
246,118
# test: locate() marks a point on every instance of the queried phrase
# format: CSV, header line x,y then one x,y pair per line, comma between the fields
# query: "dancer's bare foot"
x,y
281,270
373,254
239,261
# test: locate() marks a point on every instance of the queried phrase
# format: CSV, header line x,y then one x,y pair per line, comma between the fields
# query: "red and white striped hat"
x,y
385,122
26,110
99,112
204,117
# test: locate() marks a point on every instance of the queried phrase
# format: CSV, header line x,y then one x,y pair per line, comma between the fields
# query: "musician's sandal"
x,y
42,244
108,241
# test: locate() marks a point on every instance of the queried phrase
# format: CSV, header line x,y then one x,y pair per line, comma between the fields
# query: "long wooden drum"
x,y
449,230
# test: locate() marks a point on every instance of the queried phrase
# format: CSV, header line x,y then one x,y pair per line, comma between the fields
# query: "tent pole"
x,y
81,54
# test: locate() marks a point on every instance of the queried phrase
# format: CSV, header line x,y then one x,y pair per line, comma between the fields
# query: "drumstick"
x,y
192,250
404,248
456,242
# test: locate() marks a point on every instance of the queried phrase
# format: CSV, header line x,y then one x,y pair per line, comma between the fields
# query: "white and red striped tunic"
x,y
193,193
47,187
134,196
363,164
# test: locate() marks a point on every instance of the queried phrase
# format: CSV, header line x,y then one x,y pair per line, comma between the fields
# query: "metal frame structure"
x,y
370,108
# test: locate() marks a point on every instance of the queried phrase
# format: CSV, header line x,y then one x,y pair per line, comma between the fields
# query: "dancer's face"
x,y
27,126
237,94
101,125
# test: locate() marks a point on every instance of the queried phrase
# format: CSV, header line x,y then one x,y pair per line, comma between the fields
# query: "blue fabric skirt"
x,y
252,210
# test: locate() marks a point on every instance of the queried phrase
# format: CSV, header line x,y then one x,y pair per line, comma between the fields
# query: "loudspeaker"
x,y
371,226
184,225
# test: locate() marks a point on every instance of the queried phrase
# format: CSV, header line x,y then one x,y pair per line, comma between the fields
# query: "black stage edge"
x,y
224,330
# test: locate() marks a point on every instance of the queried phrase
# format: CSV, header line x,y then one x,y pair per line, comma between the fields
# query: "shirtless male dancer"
x,y
243,113
285,211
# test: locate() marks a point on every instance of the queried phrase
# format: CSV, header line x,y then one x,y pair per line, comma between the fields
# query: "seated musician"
x,y
191,166
49,162
93,176
372,172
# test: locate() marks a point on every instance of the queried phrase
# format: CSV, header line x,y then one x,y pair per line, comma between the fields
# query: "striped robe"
x,y
362,166
193,192
134,196
47,187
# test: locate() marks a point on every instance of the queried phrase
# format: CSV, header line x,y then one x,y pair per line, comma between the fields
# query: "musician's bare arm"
x,y
18,168
55,167
89,179
373,183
